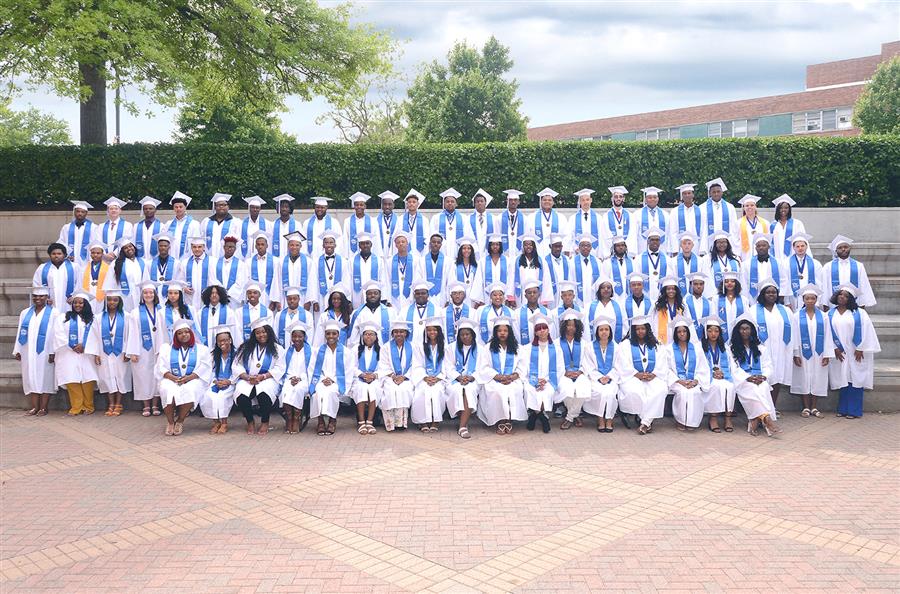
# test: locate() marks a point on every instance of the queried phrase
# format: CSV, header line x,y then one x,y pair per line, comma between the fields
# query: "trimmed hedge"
x,y
815,171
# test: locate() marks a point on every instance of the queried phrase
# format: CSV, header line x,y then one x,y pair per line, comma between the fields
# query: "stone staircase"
x,y
17,264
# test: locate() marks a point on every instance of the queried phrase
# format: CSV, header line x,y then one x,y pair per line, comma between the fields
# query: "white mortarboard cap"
x,y
252,286
456,285
528,237
731,275
80,294
696,276
668,281
359,197
220,197
283,197
338,288
800,236
371,285
450,193
466,323
604,321
149,200
332,233
617,239
651,190
757,237
298,325
388,195
221,330
539,318
557,238
496,287
197,240
292,291
502,321
711,321
175,284
80,204
849,289
617,190
749,198
784,198
332,325
639,320
684,187
688,235
495,238
680,320
261,323
721,235
414,193
601,281
745,317
487,197
637,277
766,282
466,240
147,284
654,232
399,324
434,321
261,233
838,240
422,285
180,196
181,325
567,285
548,192
809,289
255,201
532,283
513,194
113,201
404,234
40,290
96,243
586,237
716,182
369,326
294,236
364,236
320,200
584,192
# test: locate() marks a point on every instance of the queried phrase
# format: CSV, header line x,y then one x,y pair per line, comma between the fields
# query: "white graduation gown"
x,y
330,279
428,402
472,278
133,270
72,367
195,280
719,394
811,377
269,386
191,392
366,391
580,387
688,404
656,218
865,296
755,399
607,234
403,276
778,230
645,399
109,231
790,298
326,399
291,394
455,391
114,373
673,229
217,404
232,267
143,370
219,230
243,318
82,239
216,319
291,275
721,210
371,268
861,374
534,398
270,292
394,395
500,402
496,276
763,271
351,228
604,397
177,228
57,283
780,353
313,245
37,371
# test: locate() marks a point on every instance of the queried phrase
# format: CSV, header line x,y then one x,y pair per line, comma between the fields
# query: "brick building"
x,y
825,107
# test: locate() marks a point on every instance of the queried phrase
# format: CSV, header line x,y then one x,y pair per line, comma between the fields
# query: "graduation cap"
x,y
513,194
149,200
399,324
388,195
220,197
548,192
180,197
221,329
113,201
716,182
80,204
450,193
501,321
414,193
684,187
783,198
357,197
320,200
487,197
838,241
652,190
800,236
810,289
583,192
283,198
254,201
332,326
295,236
261,323
617,190
371,285
749,199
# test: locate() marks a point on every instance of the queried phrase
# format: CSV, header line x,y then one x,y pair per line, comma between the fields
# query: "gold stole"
x,y
746,234
99,293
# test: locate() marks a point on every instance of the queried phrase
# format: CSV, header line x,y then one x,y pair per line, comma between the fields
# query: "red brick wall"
x,y
842,71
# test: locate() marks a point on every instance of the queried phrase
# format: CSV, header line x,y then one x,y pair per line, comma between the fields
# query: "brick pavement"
x,y
95,504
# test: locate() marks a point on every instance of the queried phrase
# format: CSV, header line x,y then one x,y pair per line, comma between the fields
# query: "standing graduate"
x,y
58,275
604,379
607,307
684,218
669,306
218,399
220,225
401,270
652,262
114,229
216,312
435,267
650,216
783,227
466,269
182,227
163,267
482,224
358,222
252,225
319,226
545,222
587,270
114,373
429,372
75,348
761,265
284,226
127,273
749,226
365,267
496,268
463,389
366,387
585,221
144,338
642,365
498,372
718,215
33,348
719,393
512,224
801,268
413,223
721,257
94,274
449,222
617,223
541,364
386,225
183,372
147,229
294,395
78,234
813,349
262,267
731,304
688,376
855,343
196,269
259,366
844,270
175,308
395,361
294,270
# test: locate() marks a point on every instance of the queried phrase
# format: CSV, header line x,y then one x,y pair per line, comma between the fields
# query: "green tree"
x,y
269,47
30,127
225,119
468,100
877,110
369,115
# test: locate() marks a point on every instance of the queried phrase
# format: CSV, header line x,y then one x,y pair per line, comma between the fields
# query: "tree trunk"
x,y
93,110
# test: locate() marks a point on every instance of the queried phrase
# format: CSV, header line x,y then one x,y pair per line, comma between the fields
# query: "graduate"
x,y
218,399
365,267
566,303
259,366
718,215
618,266
421,309
466,269
147,229
603,377
813,348
59,276
294,270
319,226
356,223
331,373
229,270
642,365
496,269
652,262
730,304
294,395
844,270
751,366
802,269
429,372
184,373
585,222
494,308
372,311
252,225
577,355
721,257
559,268
394,365
196,270
127,273
497,371
607,307
512,224
687,261
33,348
524,316
545,222
163,267
216,312
401,270
249,312
638,304
181,227
114,373
75,348
688,375
695,304
773,324
413,223
761,265
784,227
290,315
386,225
94,273
449,222
175,308
263,268
686,217
855,344
114,229
339,310
719,394
617,224
284,226
220,225
435,267
78,234
587,270
669,306
457,309
482,224
528,267
542,367
144,338
462,389
649,217
749,226
366,387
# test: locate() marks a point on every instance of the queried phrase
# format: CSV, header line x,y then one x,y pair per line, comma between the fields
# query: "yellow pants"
x,y
81,398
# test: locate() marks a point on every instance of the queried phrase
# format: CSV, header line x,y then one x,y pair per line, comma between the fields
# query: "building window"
x,y
753,127
674,133
813,121
739,128
641,136
844,118
714,130
829,119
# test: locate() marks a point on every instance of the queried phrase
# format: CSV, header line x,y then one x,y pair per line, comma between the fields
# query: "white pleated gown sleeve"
x,y
143,371
72,367
367,391
114,373
393,395
38,374
645,399
428,402
190,392
604,396
688,404
457,394
217,403
849,371
755,399
810,377
295,394
500,401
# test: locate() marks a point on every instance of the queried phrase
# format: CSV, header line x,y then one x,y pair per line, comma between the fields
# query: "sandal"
x,y
507,427
643,430
109,411
117,410
565,425
600,429
501,428
223,428
156,411
320,427
179,428
463,432
42,412
433,429
804,413
30,412
332,425
579,422
362,428
424,428
215,427
752,428
839,415
710,427
170,429
370,428
145,412
816,413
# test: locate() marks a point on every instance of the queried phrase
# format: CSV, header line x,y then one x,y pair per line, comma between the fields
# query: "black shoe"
x,y
545,423
532,419
559,411
625,420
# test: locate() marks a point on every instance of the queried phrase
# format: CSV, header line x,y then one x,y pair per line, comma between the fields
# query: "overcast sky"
x,y
584,60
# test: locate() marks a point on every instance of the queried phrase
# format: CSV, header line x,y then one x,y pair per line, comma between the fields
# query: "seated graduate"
x,y
719,393
463,389
688,376
604,379
497,371
259,366
643,368
751,366
183,371
577,353
429,373
295,381
394,369
542,364
331,372
218,399
366,387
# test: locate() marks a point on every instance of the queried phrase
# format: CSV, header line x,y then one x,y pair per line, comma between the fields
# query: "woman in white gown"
x,y
855,344
77,351
396,387
688,376
751,367
719,394
642,365
126,274
114,374
541,367
366,387
604,380
295,382
578,364
331,372
429,372
144,338
259,367
219,396
813,349
773,323
463,390
497,372
184,372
